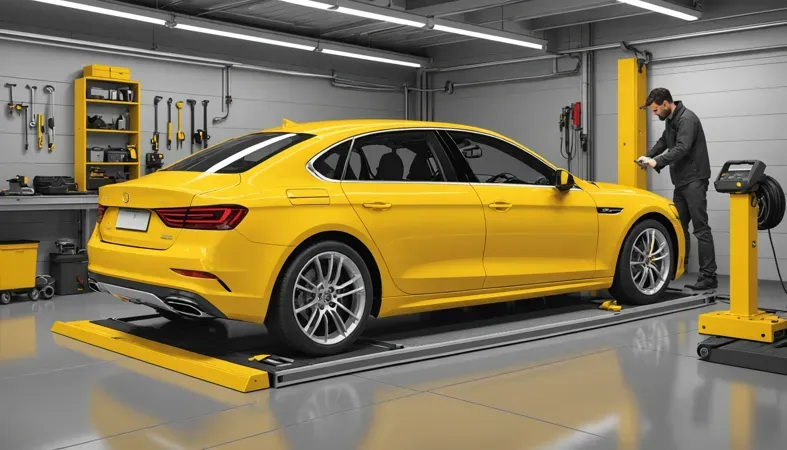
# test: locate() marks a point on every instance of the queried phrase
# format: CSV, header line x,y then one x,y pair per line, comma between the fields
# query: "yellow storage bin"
x,y
120,73
96,70
18,264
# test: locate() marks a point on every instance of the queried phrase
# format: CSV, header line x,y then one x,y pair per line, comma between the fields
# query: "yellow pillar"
x,y
743,255
632,131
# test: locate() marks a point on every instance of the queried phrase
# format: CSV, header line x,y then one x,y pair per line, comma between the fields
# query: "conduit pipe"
x,y
611,46
554,74
226,83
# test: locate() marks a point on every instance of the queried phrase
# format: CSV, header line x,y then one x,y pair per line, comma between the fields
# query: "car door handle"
x,y
377,206
500,206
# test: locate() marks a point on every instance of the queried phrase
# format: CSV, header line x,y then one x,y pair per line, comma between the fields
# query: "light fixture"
x,y
106,11
331,51
407,19
488,34
244,33
244,37
668,8
381,17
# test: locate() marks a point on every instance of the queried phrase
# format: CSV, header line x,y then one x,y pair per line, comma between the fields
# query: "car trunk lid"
x,y
129,216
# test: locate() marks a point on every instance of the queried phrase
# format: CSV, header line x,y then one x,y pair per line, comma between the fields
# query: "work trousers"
x,y
692,202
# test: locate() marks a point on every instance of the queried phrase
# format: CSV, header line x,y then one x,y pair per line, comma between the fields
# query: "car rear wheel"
x,y
645,265
322,300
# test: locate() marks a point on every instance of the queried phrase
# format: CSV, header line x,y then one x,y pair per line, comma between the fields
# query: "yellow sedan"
x,y
312,228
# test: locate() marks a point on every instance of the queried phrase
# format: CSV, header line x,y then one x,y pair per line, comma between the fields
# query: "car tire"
x,y
336,304
5,298
636,282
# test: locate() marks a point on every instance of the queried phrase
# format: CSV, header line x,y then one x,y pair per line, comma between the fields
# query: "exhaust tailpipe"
x,y
94,285
185,307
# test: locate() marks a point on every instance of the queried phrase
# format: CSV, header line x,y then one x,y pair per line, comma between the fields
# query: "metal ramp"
x,y
239,356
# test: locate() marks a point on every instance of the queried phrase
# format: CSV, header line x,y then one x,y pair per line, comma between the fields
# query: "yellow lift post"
x,y
746,335
632,123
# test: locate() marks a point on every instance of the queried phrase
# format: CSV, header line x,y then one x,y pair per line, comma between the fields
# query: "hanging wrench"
x,y
49,89
169,123
33,89
11,105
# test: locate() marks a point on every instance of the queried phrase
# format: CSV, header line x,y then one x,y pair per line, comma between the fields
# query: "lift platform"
x,y
240,356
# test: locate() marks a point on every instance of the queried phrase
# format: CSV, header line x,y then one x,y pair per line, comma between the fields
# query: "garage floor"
x,y
633,386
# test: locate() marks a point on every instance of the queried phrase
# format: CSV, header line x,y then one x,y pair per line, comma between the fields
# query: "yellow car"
x,y
312,228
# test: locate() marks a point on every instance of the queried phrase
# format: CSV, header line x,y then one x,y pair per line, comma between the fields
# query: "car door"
x,y
429,228
535,233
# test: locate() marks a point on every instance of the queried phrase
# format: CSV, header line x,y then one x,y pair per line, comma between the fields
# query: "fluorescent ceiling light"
x,y
310,4
369,58
488,36
667,8
99,10
244,37
381,17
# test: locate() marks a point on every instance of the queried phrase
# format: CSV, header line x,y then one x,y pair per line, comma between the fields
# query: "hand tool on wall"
x,y
25,126
41,129
49,89
32,123
192,103
154,140
181,135
11,105
206,136
169,123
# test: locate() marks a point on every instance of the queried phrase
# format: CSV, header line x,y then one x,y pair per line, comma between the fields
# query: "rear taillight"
x,y
100,212
203,217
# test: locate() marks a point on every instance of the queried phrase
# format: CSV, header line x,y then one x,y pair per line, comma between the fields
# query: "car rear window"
x,y
239,154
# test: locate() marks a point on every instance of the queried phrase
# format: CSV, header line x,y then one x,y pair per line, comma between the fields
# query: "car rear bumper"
x,y
245,273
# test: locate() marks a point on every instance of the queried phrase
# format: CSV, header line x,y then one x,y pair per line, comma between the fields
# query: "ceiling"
x,y
528,17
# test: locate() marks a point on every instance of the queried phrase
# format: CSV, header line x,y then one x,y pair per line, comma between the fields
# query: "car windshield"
x,y
239,154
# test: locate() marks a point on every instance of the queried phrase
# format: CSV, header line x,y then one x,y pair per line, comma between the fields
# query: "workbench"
x,y
83,203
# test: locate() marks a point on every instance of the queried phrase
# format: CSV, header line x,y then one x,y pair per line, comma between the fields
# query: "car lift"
x,y
235,355
746,335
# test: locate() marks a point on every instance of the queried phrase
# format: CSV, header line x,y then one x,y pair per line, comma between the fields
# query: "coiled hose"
x,y
771,204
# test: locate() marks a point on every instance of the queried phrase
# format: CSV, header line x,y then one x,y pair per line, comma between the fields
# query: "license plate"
x,y
133,219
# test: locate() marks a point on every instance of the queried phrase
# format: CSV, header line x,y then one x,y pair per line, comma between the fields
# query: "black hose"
x,y
772,204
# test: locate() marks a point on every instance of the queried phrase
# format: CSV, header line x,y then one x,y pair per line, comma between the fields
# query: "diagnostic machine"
x,y
746,335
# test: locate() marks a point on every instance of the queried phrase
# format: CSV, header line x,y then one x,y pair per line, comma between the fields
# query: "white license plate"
x,y
133,219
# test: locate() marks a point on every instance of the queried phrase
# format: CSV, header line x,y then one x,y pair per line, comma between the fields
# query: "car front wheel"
x,y
322,301
645,266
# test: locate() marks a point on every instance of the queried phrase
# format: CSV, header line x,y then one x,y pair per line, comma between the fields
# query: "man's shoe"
x,y
705,283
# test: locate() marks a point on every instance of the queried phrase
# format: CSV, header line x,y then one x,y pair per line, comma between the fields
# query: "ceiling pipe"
x,y
617,45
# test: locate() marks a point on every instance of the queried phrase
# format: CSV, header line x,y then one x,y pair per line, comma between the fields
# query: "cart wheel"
x,y
47,292
34,295
703,351
5,298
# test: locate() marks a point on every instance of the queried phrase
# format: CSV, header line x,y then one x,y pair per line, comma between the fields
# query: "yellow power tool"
x,y
181,134
41,129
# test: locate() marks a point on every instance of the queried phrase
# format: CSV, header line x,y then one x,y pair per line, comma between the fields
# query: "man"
x,y
683,148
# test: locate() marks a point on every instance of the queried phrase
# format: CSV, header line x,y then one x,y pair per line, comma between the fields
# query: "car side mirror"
x,y
563,180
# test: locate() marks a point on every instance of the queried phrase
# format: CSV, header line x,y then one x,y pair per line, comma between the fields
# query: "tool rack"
x,y
85,137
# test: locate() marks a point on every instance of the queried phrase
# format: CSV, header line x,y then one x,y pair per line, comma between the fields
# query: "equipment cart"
x,y
18,269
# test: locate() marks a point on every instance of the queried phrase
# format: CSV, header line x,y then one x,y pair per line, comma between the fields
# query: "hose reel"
x,y
748,176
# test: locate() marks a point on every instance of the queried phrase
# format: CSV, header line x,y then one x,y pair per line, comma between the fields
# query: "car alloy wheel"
x,y
329,298
650,261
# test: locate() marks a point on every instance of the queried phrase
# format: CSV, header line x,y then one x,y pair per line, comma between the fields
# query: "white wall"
x,y
260,99
739,98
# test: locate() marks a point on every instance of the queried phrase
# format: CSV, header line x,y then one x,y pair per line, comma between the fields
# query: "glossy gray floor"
x,y
633,386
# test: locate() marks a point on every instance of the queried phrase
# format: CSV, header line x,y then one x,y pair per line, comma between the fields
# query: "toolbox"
x,y
102,71
18,264
50,185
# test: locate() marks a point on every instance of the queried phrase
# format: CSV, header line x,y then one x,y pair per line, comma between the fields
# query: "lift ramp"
x,y
240,356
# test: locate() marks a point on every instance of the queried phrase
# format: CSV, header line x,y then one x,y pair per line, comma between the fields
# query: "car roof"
x,y
354,126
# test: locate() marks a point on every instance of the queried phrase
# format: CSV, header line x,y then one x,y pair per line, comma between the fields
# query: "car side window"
x,y
331,163
495,161
410,155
